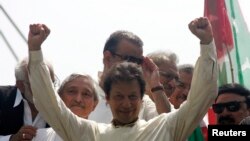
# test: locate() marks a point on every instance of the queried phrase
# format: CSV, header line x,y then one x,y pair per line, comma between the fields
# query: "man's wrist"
x,y
157,88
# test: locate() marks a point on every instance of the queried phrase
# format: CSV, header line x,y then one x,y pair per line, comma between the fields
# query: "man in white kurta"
x,y
175,126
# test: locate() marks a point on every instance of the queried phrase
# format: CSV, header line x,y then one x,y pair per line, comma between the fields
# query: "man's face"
x,y
125,100
168,76
125,49
182,88
78,96
230,108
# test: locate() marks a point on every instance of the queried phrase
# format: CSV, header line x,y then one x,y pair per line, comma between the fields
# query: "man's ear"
x,y
107,58
20,85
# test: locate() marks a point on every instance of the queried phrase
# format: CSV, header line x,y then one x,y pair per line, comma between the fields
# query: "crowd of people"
x,y
137,98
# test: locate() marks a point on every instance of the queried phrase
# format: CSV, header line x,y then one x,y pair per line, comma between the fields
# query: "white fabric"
x,y
174,126
18,99
103,114
38,122
46,134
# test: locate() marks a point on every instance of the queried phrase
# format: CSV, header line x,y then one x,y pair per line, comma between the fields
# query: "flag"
x,y
231,34
241,35
232,40
196,135
216,12
200,133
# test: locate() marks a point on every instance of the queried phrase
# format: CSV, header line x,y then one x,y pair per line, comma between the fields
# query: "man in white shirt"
x,y
124,87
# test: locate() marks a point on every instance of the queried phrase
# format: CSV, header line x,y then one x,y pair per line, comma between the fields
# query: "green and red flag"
x,y
232,40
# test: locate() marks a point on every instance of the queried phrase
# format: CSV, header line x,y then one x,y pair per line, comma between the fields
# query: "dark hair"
x,y
116,37
125,72
235,89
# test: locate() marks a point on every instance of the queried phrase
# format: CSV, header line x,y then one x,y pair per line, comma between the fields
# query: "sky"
x,y
79,29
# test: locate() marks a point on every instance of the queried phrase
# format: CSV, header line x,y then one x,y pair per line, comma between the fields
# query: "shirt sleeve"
x,y
201,95
148,109
52,108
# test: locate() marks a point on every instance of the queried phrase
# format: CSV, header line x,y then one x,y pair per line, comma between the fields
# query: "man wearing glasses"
x,y
166,62
183,85
125,46
232,104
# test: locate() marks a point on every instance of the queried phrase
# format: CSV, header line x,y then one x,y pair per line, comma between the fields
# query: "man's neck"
x,y
118,124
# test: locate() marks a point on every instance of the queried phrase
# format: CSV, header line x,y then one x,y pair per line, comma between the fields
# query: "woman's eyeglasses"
x,y
129,58
233,106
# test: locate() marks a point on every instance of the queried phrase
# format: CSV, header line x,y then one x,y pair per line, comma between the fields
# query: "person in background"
x,y
19,117
79,92
124,88
126,46
232,104
183,85
166,61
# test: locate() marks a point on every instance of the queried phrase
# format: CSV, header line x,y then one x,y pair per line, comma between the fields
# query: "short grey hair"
x,y
187,68
21,69
160,57
73,76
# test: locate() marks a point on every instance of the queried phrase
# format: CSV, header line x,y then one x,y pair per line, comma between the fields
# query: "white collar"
x,y
18,99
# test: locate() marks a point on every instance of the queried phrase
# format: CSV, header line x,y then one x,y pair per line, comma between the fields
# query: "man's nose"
x,y
78,97
185,91
126,103
172,83
224,111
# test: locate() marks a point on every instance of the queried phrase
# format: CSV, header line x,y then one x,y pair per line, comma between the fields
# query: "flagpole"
x,y
231,65
13,23
9,46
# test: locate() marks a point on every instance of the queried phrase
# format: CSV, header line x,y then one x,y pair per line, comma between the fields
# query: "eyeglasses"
x,y
182,97
169,76
129,58
179,84
233,106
